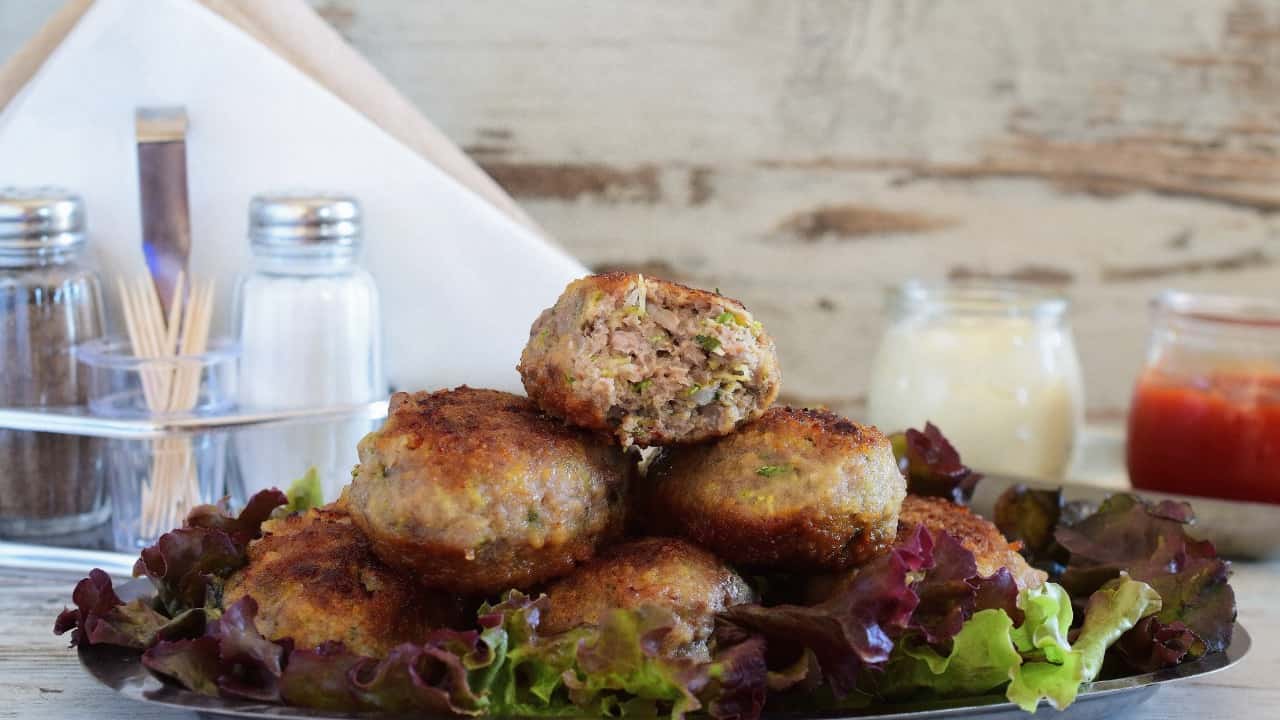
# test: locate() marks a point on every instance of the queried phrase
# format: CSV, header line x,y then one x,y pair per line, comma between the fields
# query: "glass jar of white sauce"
x,y
994,366
310,334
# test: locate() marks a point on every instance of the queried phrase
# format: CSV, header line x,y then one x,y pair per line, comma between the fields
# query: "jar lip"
x,y
114,352
1235,310
979,298
306,251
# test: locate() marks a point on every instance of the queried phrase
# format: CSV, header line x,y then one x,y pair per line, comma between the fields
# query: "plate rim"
x,y
138,683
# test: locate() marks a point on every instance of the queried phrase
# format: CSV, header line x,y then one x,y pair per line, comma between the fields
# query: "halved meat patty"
x,y
649,361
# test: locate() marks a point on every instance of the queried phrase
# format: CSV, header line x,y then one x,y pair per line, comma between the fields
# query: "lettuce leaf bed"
x,y
1134,592
932,465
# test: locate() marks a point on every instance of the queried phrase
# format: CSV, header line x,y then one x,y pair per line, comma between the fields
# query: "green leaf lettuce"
x,y
1053,668
982,658
1036,658
305,493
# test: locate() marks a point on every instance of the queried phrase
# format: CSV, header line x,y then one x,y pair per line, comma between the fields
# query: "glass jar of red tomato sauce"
x,y
1205,416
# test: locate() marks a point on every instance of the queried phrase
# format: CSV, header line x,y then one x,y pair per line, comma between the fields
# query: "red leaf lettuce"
x,y
932,465
187,565
1150,542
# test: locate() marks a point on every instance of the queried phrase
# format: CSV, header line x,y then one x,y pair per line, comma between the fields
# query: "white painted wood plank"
x,y
1115,149
805,155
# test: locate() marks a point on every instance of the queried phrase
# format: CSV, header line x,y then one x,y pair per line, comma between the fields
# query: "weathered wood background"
x,y
805,155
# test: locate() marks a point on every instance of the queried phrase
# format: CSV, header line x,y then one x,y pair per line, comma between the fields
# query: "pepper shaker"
x,y
50,301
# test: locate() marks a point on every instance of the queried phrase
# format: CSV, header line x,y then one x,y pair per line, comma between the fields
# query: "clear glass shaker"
x,y
310,334
994,366
50,301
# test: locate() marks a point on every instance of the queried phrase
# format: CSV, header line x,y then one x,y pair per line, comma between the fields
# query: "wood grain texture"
x,y
804,156
41,678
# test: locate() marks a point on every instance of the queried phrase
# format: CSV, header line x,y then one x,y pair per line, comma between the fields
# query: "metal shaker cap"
x,y
302,220
36,221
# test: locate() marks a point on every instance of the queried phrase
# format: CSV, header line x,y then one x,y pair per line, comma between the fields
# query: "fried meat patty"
x,y
649,361
796,491
315,578
666,572
477,491
977,534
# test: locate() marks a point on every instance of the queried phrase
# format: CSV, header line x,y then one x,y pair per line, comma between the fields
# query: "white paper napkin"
x,y
463,273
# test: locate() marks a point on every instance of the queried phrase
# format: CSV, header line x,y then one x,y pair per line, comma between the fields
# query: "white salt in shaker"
x,y
311,336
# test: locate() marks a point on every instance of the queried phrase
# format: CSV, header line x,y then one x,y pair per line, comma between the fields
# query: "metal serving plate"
x,y
121,670
1239,530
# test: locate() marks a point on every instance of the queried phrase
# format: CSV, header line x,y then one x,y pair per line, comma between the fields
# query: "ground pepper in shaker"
x,y
50,301
310,335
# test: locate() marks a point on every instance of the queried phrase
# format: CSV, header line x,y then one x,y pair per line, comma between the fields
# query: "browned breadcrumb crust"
x,y
617,281
831,504
477,491
666,572
820,427
800,542
978,535
474,430
315,578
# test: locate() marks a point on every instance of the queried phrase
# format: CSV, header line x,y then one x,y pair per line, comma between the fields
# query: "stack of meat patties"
x,y
468,493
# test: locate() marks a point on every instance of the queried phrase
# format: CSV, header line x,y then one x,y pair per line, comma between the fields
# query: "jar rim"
x,y
1226,310
979,298
114,352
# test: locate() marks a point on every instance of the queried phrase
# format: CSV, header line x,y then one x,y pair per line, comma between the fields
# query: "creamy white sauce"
x,y
1006,391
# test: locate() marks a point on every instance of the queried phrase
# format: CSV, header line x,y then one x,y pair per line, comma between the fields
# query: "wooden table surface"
x,y
40,676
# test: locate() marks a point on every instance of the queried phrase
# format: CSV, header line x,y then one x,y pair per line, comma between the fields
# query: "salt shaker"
x,y
310,336
50,301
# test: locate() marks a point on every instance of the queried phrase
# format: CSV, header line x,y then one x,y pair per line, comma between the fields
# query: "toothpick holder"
x,y
153,483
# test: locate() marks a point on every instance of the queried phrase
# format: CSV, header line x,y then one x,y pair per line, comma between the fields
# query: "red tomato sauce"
x,y
1218,437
